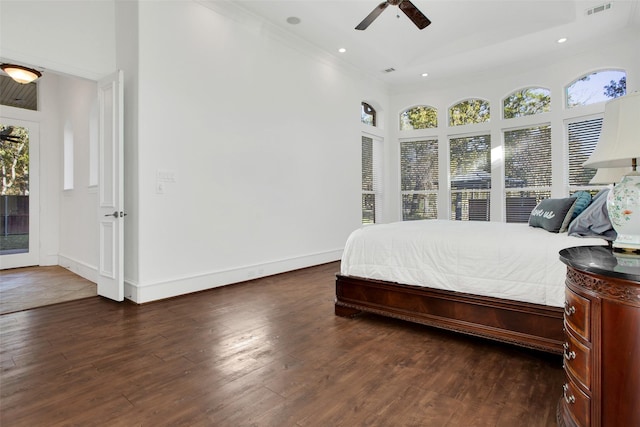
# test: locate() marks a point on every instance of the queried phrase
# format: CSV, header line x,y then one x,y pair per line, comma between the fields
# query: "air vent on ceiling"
x,y
389,70
598,9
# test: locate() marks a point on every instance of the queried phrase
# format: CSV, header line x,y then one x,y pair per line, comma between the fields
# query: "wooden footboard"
x,y
524,324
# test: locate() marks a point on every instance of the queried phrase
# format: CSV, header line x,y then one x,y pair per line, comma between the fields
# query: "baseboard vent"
x,y
598,9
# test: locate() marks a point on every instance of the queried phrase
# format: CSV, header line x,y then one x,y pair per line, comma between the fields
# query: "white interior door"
x,y
20,204
111,188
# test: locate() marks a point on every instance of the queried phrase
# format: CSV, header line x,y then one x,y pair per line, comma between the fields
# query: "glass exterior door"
x,y
18,195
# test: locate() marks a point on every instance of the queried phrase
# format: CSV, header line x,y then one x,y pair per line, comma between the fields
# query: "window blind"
x,y
527,167
368,182
419,179
583,138
470,168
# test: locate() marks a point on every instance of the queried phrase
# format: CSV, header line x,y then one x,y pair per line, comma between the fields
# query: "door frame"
x,y
32,257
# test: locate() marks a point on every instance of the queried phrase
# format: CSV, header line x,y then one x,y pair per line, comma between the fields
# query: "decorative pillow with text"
x,y
553,215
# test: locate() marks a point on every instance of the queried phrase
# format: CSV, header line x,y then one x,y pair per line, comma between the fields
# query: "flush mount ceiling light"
x,y
561,40
21,74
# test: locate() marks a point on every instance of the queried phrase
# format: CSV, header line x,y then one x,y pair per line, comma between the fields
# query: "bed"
x,y
502,281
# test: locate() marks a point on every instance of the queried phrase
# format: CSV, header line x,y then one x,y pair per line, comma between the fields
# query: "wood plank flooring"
x,y
269,352
29,287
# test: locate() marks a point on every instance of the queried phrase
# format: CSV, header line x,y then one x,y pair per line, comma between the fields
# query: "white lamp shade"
x,y
620,136
609,175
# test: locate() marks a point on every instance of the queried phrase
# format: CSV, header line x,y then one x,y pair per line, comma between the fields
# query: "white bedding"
x,y
503,260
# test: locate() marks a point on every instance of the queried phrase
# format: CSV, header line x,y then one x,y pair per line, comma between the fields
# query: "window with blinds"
x,y
419,179
368,195
582,138
370,179
470,168
527,167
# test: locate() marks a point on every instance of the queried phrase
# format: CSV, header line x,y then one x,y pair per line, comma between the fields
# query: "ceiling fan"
x,y
406,6
5,135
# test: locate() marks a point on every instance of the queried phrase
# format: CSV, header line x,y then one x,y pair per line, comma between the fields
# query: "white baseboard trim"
x,y
82,269
147,292
46,260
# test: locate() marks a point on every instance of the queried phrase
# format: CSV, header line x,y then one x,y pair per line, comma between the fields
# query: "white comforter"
x,y
503,260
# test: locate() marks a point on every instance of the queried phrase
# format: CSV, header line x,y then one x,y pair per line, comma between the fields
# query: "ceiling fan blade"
x,y
372,16
414,14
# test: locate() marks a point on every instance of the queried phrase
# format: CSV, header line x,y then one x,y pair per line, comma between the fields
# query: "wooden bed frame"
x,y
525,324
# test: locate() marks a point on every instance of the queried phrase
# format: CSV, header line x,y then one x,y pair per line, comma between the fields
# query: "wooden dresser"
x,y
602,331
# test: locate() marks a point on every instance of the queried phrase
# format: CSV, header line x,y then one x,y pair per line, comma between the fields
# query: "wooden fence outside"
x,y
14,215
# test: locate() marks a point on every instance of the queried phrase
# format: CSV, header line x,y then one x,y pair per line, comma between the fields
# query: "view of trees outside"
x,y
14,189
597,87
527,151
419,179
468,112
14,150
470,167
420,117
527,102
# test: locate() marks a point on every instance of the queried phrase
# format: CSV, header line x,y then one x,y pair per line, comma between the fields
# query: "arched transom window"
x,y
527,102
419,117
598,86
368,114
468,112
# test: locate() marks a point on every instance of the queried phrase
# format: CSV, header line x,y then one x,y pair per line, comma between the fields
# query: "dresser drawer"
x,y
576,314
577,360
578,403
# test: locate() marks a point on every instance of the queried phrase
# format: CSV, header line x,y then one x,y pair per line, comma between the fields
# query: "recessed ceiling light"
x,y
293,20
342,50
561,40
424,74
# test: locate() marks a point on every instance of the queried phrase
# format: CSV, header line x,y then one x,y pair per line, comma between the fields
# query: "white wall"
x,y
62,38
49,165
73,37
76,102
262,141
68,221
618,51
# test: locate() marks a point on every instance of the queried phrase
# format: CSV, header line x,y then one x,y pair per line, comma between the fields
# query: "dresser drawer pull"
x,y
568,310
568,354
568,399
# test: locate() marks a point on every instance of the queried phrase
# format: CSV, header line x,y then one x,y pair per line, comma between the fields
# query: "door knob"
x,y
117,214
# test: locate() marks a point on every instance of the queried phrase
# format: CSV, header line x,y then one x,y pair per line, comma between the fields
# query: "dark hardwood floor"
x,y
269,352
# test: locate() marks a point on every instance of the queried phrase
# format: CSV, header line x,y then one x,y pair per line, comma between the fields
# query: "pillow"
x,y
583,198
594,220
553,215
603,192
